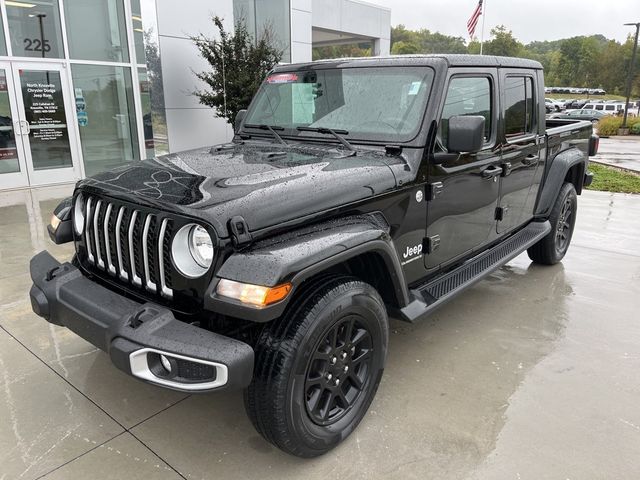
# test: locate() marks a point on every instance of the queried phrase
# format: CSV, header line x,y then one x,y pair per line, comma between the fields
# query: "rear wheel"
x,y
318,367
552,248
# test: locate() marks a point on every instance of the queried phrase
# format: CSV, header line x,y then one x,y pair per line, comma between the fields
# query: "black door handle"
x,y
530,160
491,172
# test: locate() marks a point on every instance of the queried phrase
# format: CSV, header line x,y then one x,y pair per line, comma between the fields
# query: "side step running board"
x,y
428,297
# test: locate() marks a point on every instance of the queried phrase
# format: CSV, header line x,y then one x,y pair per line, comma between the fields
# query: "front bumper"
x,y
138,335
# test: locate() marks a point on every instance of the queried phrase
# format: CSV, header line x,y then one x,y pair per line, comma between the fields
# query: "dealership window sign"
x,y
81,108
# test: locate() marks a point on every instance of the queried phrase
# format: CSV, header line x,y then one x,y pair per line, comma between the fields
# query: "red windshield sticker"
x,y
282,78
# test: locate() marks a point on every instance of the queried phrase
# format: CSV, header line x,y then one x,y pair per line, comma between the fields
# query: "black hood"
x,y
265,184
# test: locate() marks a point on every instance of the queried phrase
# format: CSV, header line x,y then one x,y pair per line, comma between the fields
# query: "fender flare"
x,y
560,166
299,255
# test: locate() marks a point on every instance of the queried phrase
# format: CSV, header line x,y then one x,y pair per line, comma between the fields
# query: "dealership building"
x,y
87,85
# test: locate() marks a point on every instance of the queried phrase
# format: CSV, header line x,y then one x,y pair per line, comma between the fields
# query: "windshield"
x,y
370,103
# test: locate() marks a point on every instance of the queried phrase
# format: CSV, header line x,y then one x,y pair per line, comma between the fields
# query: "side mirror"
x,y
466,133
237,123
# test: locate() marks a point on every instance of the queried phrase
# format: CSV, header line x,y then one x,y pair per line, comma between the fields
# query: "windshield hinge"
x,y
433,190
239,231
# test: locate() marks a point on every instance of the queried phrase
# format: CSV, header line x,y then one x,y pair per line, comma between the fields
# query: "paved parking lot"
x,y
621,152
532,374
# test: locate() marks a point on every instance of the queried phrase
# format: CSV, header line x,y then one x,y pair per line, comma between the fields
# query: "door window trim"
x,y
533,133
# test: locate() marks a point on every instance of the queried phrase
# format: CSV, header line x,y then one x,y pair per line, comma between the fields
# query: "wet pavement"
x,y
533,373
623,152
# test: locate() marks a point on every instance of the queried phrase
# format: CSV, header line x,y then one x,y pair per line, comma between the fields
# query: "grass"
x,y
579,96
611,179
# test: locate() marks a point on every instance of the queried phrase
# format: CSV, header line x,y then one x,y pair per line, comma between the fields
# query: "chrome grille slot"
x,y
96,233
133,258
120,236
147,253
128,244
108,244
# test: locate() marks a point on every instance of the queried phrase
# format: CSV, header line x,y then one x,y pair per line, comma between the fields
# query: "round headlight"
x,y
201,246
78,214
192,250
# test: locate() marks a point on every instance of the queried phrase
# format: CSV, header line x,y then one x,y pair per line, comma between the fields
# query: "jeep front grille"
x,y
129,244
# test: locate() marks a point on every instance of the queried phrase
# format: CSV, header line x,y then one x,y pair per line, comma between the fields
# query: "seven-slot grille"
x,y
129,244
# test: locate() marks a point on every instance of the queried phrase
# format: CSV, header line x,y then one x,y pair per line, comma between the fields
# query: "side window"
x,y
467,96
600,107
588,107
610,107
519,112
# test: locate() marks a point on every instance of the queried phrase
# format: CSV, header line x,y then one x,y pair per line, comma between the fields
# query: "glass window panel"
x,y
35,29
145,27
467,96
515,112
106,116
155,124
3,45
273,15
45,113
96,30
8,151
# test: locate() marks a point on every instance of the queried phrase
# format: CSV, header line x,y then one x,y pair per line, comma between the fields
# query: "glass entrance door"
x,y
13,170
44,135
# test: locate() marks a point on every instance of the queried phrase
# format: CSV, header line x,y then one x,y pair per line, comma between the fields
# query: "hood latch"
x,y
239,231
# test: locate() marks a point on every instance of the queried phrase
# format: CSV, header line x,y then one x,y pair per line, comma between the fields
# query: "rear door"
x,y
464,188
520,148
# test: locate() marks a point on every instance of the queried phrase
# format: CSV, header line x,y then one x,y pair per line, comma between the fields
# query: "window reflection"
x,y
272,15
108,131
35,29
3,45
8,152
96,30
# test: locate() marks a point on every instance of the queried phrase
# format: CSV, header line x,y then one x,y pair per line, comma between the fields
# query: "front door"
x,y
461,218
35,111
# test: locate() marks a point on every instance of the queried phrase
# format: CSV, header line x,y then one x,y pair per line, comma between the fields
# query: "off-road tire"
x,y
552,248
292,349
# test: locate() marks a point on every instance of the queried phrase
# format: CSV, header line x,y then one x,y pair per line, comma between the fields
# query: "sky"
x,y
530,20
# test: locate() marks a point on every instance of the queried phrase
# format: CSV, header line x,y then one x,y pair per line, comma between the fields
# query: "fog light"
x,y
55,222
166,363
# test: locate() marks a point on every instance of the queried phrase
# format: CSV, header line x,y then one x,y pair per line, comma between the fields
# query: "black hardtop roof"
x,y
452,60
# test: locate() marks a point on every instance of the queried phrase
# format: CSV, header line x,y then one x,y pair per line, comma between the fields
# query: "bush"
x,y
608,126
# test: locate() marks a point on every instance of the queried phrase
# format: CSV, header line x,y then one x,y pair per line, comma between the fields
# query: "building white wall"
x,y
355,17
189,124
301,31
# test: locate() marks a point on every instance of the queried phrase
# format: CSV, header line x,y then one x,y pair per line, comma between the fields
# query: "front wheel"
x,y
552,248
319,366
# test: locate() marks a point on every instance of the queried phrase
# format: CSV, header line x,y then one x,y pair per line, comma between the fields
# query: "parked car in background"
x,y
576,104
609,108
553,105
592,115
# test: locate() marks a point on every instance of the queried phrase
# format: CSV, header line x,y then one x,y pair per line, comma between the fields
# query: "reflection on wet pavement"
x,y
533,373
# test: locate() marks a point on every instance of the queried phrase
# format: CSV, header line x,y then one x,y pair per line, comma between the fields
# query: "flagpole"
x,y
484,7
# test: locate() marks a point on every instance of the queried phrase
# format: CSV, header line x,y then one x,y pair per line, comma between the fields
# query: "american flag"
x,y
473,21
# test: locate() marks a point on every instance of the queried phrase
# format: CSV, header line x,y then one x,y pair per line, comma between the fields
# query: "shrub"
x,y
608,126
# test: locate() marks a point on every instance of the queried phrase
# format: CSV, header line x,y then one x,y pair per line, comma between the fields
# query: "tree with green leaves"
x,y
502,43
239,64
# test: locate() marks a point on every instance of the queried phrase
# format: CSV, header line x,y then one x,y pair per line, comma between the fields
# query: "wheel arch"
x,y
359,246
568,166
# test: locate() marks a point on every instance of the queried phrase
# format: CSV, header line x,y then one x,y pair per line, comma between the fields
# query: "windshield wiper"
x,y
329,131
271,128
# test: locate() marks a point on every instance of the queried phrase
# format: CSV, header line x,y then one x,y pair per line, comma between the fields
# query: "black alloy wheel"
x,y
338,371
318,367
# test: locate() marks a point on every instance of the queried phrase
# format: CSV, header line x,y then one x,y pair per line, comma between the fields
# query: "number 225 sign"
x,y
36,45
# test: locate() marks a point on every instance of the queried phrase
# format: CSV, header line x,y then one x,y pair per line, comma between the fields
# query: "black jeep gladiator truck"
x,y
353,190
